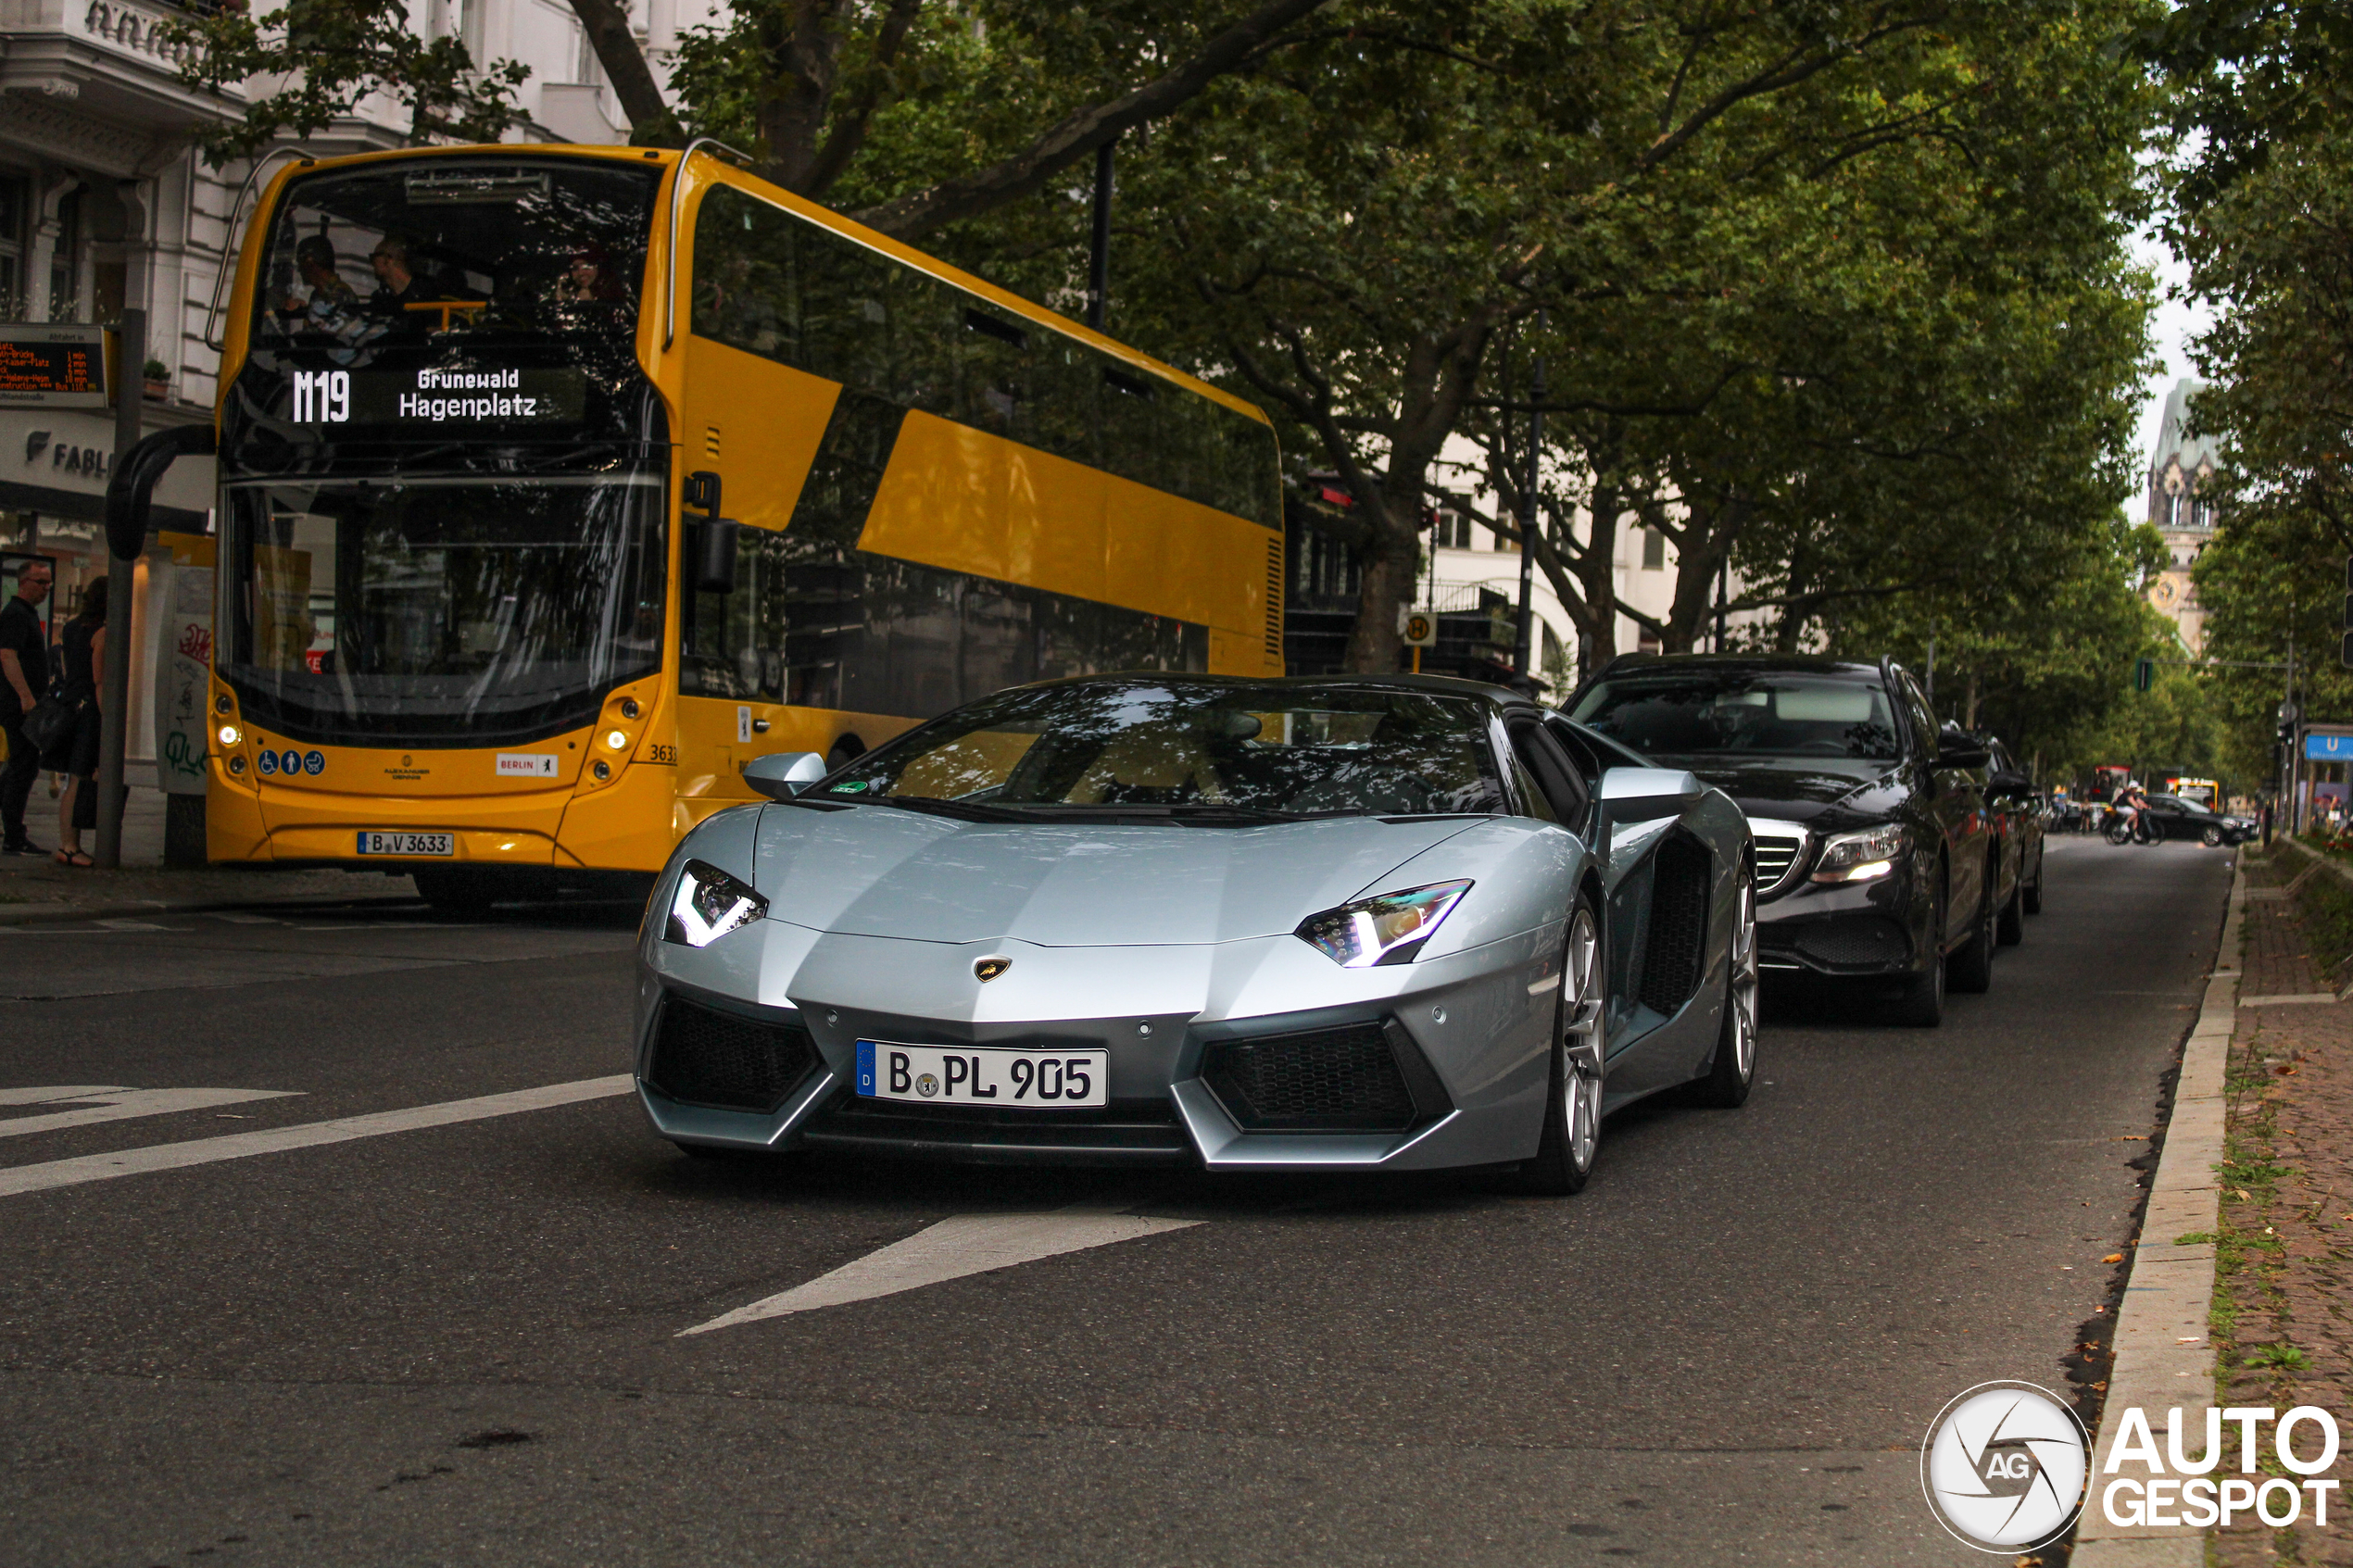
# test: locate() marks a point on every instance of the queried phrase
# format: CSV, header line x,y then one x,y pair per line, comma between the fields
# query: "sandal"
x,y
72,858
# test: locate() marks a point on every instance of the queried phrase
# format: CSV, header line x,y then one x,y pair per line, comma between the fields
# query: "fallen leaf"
x,y
2285,1072
2113,1258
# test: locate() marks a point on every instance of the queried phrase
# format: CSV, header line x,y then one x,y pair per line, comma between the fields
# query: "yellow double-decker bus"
x,y
556,483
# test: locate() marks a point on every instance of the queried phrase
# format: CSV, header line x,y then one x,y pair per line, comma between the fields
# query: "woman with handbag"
x,y
76,754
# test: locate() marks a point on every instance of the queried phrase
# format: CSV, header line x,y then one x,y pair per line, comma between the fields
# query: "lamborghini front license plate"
x,y
984,1075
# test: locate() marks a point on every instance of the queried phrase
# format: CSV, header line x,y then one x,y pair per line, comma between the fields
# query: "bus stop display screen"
x,y
438,398
53,367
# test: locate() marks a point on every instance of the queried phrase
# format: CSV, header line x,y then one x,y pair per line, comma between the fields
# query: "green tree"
x,y
332,53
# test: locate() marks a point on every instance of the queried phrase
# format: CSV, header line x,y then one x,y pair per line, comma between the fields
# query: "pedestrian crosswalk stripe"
x,y
81,1106
54,1173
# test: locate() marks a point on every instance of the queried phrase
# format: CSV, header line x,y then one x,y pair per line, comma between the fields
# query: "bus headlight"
x,y
617,740
709,904
230,737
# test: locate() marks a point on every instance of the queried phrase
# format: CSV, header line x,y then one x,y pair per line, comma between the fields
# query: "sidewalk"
x,y
2284,1297
35,889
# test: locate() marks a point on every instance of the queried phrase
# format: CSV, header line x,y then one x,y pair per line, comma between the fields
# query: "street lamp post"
x,y
1522,652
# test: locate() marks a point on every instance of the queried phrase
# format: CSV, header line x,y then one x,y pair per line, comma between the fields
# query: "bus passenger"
x,y
333,308
589,278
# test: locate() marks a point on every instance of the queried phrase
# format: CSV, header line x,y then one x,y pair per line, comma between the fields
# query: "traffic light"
x,y
2143,674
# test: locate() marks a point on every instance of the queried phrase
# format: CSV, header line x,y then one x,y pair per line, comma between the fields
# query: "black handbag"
x,y
50,724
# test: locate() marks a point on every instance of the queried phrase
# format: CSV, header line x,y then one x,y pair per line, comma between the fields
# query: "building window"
x,y
1452,531
13,201
1654,550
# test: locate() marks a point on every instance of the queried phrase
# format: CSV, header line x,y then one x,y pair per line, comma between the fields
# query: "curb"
x,y
2163,1355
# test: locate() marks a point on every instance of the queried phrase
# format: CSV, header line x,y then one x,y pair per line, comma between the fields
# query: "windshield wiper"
x,y
961,810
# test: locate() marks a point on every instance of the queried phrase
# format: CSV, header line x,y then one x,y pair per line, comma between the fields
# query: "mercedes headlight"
x,y
709,904
1858,856
1386,928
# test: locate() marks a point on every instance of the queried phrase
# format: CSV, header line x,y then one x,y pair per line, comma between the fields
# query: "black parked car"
x,y
2017,810
1876,857
2174,816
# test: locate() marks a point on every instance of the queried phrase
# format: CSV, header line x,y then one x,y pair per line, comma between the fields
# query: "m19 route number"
x,y
321,397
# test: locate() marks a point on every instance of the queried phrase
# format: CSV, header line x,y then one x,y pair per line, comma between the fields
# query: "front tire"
x,y
2212,838
1572,1132
1972,967
2010,926
2032,900
1921,1002
1733,1071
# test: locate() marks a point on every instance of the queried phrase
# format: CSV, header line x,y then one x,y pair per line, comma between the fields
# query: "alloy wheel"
x,y
1745,983
1581,1040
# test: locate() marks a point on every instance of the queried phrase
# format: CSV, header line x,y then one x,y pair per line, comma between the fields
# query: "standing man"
x,y
24,675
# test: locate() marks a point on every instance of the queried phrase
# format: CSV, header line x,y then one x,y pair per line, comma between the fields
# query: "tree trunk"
x,y
607,23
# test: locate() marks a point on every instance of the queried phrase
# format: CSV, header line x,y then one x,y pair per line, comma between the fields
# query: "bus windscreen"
x,y
443,294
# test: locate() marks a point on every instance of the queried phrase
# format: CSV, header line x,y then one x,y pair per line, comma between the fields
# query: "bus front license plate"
x,y
981,1075
407,844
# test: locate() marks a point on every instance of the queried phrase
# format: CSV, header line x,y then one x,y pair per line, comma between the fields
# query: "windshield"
x,y
440,609
1154,747
440,295
1765,713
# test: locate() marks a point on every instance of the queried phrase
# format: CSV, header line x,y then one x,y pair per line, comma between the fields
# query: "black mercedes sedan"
x,y
1877,859
2178,816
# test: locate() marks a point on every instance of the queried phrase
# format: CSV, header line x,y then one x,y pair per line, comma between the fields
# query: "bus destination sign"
x,y
53,367
439,396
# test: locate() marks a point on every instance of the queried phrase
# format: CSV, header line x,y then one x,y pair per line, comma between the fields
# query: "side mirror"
x,y
780,775
1642,795
716,563
2011,782
1955,748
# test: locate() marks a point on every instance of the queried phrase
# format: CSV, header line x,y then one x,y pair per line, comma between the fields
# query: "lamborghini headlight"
x,y
1386,928
1858,856
708,905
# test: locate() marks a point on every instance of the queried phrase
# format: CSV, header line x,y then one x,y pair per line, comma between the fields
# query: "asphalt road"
x,y
463,1342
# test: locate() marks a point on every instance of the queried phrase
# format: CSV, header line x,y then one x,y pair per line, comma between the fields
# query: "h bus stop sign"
x,y
1418,628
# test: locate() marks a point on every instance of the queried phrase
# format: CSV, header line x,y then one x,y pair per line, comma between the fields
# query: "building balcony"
x,y
96,83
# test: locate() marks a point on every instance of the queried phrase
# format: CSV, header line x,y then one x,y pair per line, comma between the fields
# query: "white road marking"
x,y
967,1244
309,1135
114,1105
127,924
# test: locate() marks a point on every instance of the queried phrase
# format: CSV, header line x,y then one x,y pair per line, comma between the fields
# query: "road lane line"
x,y
964,1245
309,1135
116,1105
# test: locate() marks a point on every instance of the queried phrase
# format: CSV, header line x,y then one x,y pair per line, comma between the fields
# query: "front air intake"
x,y
1346,1079
704,1057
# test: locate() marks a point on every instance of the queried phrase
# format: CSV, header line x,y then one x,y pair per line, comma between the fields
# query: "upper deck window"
x,y
385,255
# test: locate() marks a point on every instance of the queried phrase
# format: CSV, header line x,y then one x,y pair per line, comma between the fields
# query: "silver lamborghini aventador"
x,y
1346,924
